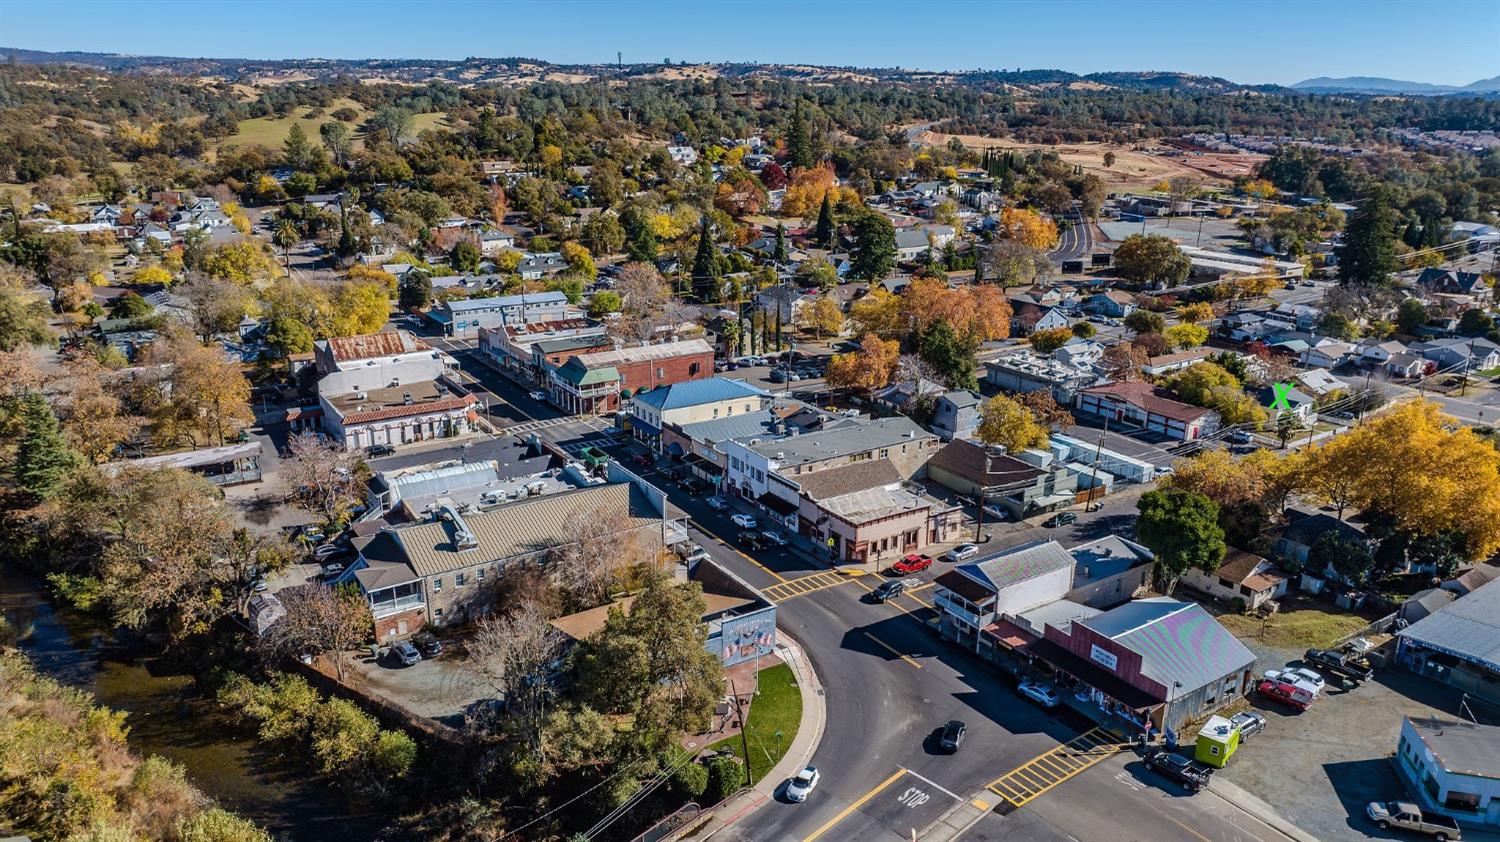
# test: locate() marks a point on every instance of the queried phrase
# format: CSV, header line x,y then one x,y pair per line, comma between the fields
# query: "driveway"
x,y
438,689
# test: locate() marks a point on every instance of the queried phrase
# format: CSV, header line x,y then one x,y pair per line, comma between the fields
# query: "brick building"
x,y
595,383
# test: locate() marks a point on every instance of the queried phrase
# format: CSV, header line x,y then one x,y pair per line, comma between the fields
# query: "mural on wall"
x,y
748,637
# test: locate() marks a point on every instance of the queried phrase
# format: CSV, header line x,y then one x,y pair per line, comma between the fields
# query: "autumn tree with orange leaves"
x,y
867,369
1028,228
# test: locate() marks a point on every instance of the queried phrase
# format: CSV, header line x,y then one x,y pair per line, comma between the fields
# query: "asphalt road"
x,y
1075,242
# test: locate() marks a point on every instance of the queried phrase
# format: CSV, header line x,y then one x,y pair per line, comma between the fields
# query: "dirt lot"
x,y
438,689
1132,168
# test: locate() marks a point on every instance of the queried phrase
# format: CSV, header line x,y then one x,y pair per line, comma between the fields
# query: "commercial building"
x,y
1148,407
976,595
594,383
388,389
526,349
1459,644
1026,372
865,512
690,402
752,462
465,317
1452,767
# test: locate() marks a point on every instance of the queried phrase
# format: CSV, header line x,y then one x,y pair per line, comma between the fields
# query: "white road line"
x,y
930,782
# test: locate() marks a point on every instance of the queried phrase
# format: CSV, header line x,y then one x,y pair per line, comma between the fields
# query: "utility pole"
x,y
1098,452
1463,383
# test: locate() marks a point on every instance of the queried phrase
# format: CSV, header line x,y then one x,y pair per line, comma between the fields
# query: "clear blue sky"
x,y
1250,41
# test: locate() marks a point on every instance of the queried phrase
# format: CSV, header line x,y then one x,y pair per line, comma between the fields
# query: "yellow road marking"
x,y
893,650
1054,766
980,803
736,551
855,806
804,585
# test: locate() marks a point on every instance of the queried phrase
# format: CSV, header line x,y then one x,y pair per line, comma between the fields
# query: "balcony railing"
x,y
387,607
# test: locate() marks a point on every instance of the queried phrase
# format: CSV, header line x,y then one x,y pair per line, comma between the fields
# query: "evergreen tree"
x,y
823,231
640,240
43,458
1412,236
780,254
874,251
1368,255
346,246
951,356
778,327
800,144
706,265
414,292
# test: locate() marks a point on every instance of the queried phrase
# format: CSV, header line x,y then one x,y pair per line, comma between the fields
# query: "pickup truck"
x,y
1339,662
1408,816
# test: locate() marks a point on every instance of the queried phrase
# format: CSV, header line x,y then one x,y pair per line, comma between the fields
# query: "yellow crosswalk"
x,y
1050,768
783,591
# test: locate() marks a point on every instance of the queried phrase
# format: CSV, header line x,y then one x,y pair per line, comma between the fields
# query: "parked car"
x,y
961,552
953,736
405,654
718,504
752,539
377,450
1341,662
889,589
1248,723
743,520
1059,519
1305,677
328,551
1298,697
1040,692
331,569
537,395
643,459
1408,816
1240,437
802,785
1190,773
429,646
913,563
774,537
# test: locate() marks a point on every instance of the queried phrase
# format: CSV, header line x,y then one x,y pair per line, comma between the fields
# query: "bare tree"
x,y
599,546
514,654
319,619
647,305
1010,263
218,304
325,478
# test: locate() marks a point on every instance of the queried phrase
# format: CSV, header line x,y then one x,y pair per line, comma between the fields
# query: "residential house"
x,y
1299,404
914,242
534,267
1027,318
1460,353
466,317
1109,571
1299,535
1452,767
1241,576
1319,382
1149,407
439,571
1327,353
684,155
588,384
1376,352
784,300
1114,303
1423,603
689,402
1151,665
1472,579
1458,644
955,414
905,395
1167,363
1407,366
1452,282
1079,353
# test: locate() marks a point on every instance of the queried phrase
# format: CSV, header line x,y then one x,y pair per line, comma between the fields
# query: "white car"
x,y
799,787
774,537
716,503
1297,675
1043,694
538,395
742,520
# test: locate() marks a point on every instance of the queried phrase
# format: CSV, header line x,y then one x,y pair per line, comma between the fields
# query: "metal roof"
x,y
1469,627
1179,642
1018,564
502,301
696,392
843,441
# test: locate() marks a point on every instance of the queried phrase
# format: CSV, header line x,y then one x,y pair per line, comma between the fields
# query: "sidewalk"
x,y
1238,797
809,734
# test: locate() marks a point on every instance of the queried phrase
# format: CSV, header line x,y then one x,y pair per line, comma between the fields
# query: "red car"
x,y
1289,694
912,563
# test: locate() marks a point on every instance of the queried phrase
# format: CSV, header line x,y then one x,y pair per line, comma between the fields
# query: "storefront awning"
x,y
704,465
1008,635
776,504
1095,677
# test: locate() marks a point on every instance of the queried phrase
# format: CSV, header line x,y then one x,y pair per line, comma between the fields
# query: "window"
x,y
716,412
1462,801
661,372
458,580
437,585
1247,590
437,612
885,453
479,574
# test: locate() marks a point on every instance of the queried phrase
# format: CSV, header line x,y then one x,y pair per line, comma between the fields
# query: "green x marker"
x,y
1283,391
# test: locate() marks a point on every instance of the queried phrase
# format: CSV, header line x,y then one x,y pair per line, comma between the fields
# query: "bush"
x,y
1237,605
690,781
725,776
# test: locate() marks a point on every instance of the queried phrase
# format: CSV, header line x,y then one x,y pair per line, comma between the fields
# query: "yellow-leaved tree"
x,y
867,369
1006,422
1028,228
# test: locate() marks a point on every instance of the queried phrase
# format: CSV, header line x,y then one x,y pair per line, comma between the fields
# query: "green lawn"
x,y
777,708
1490,372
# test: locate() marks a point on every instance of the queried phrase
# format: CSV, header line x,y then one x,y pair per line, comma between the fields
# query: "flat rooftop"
x,y
397,401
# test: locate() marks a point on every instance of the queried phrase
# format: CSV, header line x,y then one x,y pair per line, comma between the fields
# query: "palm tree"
x,y
286,236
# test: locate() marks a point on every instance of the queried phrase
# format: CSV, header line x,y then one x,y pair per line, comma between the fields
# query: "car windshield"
x,y
804,777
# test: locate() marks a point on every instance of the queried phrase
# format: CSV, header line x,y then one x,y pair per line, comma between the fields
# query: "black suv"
x,y
752,539
888,590
1059,519
429,646
379,450
1190,773
953,736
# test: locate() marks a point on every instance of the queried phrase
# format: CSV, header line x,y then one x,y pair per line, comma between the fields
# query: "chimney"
x,y
406,398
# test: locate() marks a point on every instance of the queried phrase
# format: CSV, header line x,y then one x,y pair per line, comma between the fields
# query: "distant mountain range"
x,y
1398,87
522,71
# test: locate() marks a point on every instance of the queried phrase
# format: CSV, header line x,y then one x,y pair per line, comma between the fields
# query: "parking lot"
x,y
437,688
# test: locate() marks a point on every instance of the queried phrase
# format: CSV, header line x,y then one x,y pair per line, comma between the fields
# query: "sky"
x,y
1247,41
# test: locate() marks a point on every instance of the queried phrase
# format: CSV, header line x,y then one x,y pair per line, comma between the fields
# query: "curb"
x,y
1236,796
